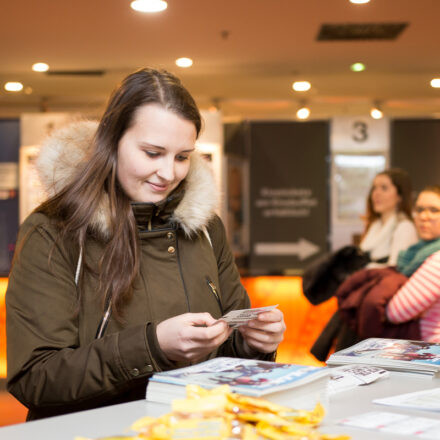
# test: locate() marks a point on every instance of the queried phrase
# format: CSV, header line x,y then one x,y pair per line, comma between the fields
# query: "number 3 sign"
x,y
359,135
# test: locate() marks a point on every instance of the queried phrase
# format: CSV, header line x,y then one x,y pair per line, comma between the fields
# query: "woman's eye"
x,y
182,158
152,153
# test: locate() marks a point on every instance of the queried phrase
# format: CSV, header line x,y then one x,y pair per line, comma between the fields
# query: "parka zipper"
x,y
214,291
181,275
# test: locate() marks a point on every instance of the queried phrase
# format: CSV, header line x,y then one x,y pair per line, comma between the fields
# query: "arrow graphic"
x,y
302,248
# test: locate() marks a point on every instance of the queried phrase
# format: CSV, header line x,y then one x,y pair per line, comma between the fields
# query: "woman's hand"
x,y
265,332
191,336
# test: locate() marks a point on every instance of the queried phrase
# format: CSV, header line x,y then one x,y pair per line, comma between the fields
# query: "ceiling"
x,y
246,54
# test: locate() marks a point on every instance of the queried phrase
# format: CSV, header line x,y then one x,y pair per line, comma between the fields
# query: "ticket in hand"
x,y
235,318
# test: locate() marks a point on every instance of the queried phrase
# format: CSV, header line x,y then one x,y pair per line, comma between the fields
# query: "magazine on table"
x,y
281,383
392,354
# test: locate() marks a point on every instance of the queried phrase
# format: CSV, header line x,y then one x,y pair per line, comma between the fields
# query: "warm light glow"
x,y
376,113
3,286
301,86
357,67
303,113
304,321
149,5
435,82
40,67
184,62
359,2
13,86
28,90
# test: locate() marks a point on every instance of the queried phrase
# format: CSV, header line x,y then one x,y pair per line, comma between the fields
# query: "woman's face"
x,y
384,195
153,153
427,215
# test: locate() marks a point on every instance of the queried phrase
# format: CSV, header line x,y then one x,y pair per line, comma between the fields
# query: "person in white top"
x,y
389,227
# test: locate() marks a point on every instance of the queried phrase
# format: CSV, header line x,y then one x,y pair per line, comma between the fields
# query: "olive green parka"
x,y
55,363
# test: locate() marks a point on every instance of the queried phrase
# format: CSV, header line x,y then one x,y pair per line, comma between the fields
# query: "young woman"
x,y
419,297
125,269
389,228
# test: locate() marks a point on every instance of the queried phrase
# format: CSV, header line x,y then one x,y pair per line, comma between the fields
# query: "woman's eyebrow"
x,y
146,144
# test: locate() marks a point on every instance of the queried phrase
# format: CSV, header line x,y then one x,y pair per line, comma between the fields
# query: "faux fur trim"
x,y
66,150
63,153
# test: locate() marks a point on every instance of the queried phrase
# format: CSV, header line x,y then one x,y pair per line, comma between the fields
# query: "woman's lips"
x,y
157,187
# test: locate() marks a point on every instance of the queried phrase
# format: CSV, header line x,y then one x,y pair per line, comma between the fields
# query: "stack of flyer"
x,y
392,354
296,386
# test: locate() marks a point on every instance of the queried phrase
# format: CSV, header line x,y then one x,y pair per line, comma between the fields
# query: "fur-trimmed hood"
x,y
66,150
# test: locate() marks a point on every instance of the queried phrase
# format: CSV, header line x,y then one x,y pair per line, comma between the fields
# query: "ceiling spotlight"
x,y
184,62
357,67
301,86
359,2
40,67
149,5
376,112
13,86
435,82
28,90
303,113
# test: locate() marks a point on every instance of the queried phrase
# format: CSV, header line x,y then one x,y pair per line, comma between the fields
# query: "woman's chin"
x,y
151,198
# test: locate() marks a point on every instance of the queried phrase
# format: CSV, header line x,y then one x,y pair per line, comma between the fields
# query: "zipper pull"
x,y
214,291
213,288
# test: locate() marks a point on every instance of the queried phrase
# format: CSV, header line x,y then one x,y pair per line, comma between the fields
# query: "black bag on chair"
x,y
323,277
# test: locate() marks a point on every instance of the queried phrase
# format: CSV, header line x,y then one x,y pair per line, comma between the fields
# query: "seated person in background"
x,y
389,227
403,301
419,297
388,231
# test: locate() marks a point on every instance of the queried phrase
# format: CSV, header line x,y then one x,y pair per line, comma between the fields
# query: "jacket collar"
x,y
153,215
64,153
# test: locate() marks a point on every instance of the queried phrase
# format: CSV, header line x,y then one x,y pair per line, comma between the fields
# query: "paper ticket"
x,y
235,318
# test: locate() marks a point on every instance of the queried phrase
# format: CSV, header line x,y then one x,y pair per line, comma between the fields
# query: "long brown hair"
x,y
402,182
75,205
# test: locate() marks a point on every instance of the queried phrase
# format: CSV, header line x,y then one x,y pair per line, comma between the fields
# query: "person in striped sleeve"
x,y
419,297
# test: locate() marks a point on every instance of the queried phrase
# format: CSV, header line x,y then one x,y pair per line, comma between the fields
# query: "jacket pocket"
x,y
214,291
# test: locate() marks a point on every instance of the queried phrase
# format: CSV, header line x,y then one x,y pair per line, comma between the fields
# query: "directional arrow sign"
x,y
302,248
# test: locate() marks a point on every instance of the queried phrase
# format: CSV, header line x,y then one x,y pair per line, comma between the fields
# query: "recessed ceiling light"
x,y
301,86
148,5
13,86
303,113
28,90
40,67
184,62
359,2
357,67
376,113
435,82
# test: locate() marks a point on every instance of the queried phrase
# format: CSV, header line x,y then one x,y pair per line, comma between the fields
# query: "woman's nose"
x,y
166,170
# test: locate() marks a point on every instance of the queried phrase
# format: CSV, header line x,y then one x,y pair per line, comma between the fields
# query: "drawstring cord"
x,y
108,309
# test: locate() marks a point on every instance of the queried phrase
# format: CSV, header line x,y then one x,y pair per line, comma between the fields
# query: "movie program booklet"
x,y
296,386
392,354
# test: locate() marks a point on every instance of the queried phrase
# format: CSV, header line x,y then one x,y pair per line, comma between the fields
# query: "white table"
x,y
116,419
